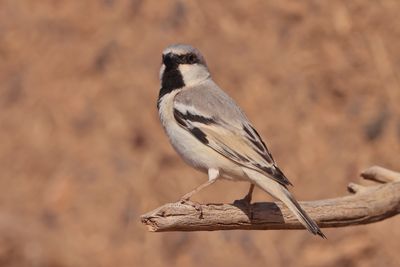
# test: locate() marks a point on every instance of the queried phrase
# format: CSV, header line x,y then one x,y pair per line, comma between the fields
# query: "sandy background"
x,y
82,152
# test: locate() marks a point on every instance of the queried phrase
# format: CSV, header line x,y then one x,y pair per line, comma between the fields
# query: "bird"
x,y
212,134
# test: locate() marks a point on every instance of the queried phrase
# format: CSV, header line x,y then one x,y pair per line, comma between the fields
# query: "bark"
x,y
366,204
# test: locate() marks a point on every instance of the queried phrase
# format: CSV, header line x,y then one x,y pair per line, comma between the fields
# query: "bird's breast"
x,y
188,147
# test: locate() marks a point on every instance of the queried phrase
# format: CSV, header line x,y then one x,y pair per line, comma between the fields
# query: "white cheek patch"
x,y
193,73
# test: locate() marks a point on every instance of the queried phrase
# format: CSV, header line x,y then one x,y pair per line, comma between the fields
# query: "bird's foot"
x,y
197,206
246,204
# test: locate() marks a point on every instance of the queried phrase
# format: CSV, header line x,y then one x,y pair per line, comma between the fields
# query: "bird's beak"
x,y
170,59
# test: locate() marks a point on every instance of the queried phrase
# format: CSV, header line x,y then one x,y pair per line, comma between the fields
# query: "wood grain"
x,y
366,204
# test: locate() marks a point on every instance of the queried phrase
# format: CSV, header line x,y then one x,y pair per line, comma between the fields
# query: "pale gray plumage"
x,y
210,100
211,133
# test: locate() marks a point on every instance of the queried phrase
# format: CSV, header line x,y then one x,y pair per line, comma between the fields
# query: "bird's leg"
x,y
246,201
249,195
187,196
212,177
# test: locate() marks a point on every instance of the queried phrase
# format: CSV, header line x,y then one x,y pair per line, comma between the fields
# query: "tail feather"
x,y
280,192
305,219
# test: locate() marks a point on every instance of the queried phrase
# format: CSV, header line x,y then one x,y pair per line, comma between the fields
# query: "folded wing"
x,y
238,142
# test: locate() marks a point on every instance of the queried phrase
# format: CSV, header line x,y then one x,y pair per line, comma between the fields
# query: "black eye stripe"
x,y
188,59
182,59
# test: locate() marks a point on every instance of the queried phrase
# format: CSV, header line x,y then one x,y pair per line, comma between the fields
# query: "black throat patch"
x,y
171,80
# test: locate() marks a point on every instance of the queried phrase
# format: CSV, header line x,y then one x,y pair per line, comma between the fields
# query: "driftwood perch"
x,y
365,205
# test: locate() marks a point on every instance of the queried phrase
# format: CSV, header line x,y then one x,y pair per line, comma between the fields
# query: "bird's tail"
x,y
280,192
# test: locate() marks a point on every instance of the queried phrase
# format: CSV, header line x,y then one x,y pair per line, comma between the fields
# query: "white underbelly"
x,y
191,149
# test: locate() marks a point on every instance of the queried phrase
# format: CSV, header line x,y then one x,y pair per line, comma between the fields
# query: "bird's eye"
x,y
191,58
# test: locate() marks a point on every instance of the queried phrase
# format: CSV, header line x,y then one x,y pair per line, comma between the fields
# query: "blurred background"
x,y
83,155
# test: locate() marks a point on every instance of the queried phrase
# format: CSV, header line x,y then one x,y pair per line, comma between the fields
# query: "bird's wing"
x,y
231,136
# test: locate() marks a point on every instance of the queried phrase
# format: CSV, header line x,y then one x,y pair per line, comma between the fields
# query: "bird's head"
x,y
182,65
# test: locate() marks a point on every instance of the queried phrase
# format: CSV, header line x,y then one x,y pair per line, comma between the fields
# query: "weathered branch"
x,y
367,204
380,175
